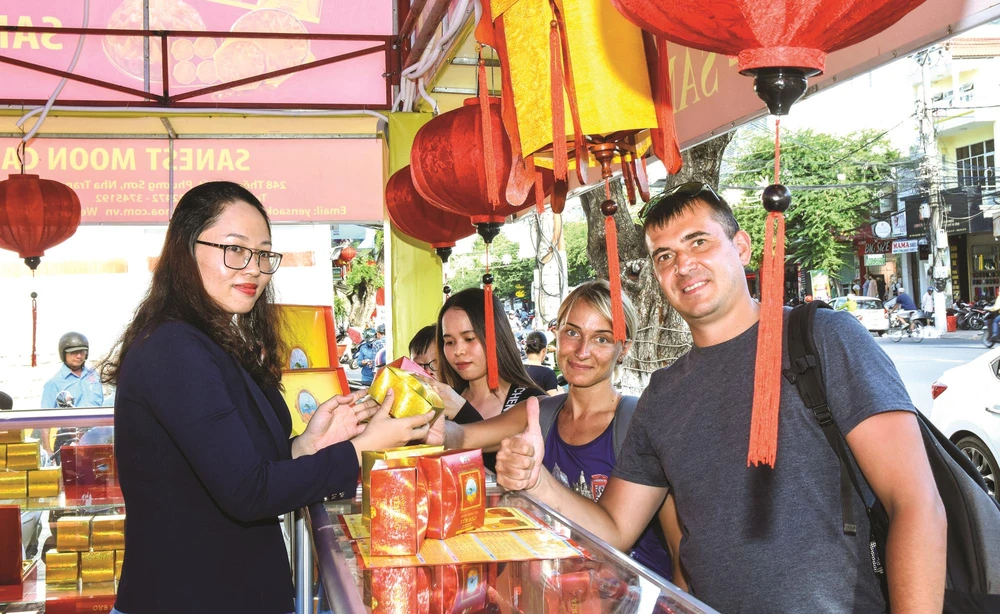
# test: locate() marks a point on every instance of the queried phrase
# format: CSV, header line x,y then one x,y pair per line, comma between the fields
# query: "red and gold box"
x,y
89,470
24,456
13,484
62,567
368,458
572,592
456,492
398,510
10,544
458,588
403,590
119,559
44,482
98,566
12,436
3,456
108,532
73,534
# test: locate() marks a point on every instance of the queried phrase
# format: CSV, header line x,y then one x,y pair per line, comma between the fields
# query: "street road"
x,y
919,364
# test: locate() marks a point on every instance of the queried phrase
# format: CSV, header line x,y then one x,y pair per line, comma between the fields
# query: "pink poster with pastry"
x,y
327,53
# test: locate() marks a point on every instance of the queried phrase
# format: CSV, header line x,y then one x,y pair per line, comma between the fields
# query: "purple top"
x,y
585,469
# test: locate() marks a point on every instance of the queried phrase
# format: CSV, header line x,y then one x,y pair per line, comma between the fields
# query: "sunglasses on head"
x,y
680,193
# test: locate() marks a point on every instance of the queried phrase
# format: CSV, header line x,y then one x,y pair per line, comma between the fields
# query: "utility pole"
x,y
930,179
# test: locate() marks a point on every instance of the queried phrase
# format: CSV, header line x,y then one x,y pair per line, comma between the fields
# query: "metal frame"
x,y
385,44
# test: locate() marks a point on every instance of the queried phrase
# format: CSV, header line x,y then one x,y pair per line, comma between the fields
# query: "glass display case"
x,y
605,581
57,467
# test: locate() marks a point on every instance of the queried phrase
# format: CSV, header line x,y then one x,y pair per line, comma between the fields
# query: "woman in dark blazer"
x,y
201,431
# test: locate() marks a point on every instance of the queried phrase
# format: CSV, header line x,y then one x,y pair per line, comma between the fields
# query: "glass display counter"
x,y
607,581
71,510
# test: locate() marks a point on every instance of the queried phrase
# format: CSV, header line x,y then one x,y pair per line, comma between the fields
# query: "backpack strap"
x,y
804,371
548,409
623,417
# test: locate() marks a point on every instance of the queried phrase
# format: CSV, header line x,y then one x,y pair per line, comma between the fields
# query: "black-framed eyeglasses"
x,y
428,366
237,257
683,192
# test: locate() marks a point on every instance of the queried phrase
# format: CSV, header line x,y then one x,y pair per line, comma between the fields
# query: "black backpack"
x,y
972,582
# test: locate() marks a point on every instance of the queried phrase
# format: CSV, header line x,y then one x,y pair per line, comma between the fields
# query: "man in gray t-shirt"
x,y
757,539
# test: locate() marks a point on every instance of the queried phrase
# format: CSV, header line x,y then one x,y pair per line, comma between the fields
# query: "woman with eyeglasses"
x,y
584,428
202,435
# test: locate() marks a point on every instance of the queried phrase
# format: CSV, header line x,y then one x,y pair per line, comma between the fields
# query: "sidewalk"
x,y
969,335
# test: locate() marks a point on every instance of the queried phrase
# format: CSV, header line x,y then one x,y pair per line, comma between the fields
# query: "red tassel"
x,y
560,160
34,330
581,153
767,370
492,370
608,208
665,136
489,145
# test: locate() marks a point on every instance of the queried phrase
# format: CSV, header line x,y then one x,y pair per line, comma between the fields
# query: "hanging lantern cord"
x,y
492,368
767,390
34,328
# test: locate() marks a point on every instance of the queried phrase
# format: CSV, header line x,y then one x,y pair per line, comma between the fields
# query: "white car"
x,y
967,410
868,310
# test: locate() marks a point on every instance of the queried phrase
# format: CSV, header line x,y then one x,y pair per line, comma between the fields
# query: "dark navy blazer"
x,y
205,464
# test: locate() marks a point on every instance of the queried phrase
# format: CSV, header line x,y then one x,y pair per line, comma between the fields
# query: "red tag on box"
x,y
398,510
456,491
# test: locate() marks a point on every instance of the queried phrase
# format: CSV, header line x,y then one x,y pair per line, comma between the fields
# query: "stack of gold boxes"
x,y
20,474
88,548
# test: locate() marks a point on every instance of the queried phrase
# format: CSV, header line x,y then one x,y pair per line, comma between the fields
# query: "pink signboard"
x,y
128,181
338,61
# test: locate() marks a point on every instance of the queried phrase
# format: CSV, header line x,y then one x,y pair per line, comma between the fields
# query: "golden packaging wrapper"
x,y
23,456
97,566
398,511
108,532
44,482
3,456
73,533
119,559
12,436
13,484
368,458
61,567
411,397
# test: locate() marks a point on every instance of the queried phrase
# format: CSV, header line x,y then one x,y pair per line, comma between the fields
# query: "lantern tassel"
x,y
767,370
489,142
539,187
581,153
609,207
665,136
34,328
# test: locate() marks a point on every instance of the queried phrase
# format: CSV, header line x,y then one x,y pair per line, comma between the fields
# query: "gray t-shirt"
x,y
757,539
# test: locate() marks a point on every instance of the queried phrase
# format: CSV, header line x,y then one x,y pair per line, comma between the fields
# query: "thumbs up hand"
x,y
519,460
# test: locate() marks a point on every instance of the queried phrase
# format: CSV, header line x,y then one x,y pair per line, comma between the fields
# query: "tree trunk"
x,y
661,336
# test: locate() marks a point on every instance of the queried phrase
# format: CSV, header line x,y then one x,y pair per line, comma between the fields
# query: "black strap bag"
x,y
972,581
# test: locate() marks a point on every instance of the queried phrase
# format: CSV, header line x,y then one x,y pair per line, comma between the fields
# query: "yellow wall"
x,y
414,295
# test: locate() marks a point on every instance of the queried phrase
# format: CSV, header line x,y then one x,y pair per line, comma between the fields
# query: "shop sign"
x,y
338,273
878,247
898,222
874,260
199,62
128,181
904,246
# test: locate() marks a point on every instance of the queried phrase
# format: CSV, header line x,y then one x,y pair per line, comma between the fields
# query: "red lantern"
x,y
36,214
792,35
348,253
449,164
419,219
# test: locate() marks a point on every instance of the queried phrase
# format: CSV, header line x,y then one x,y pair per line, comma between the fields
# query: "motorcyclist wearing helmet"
x,y
75,384
365,357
